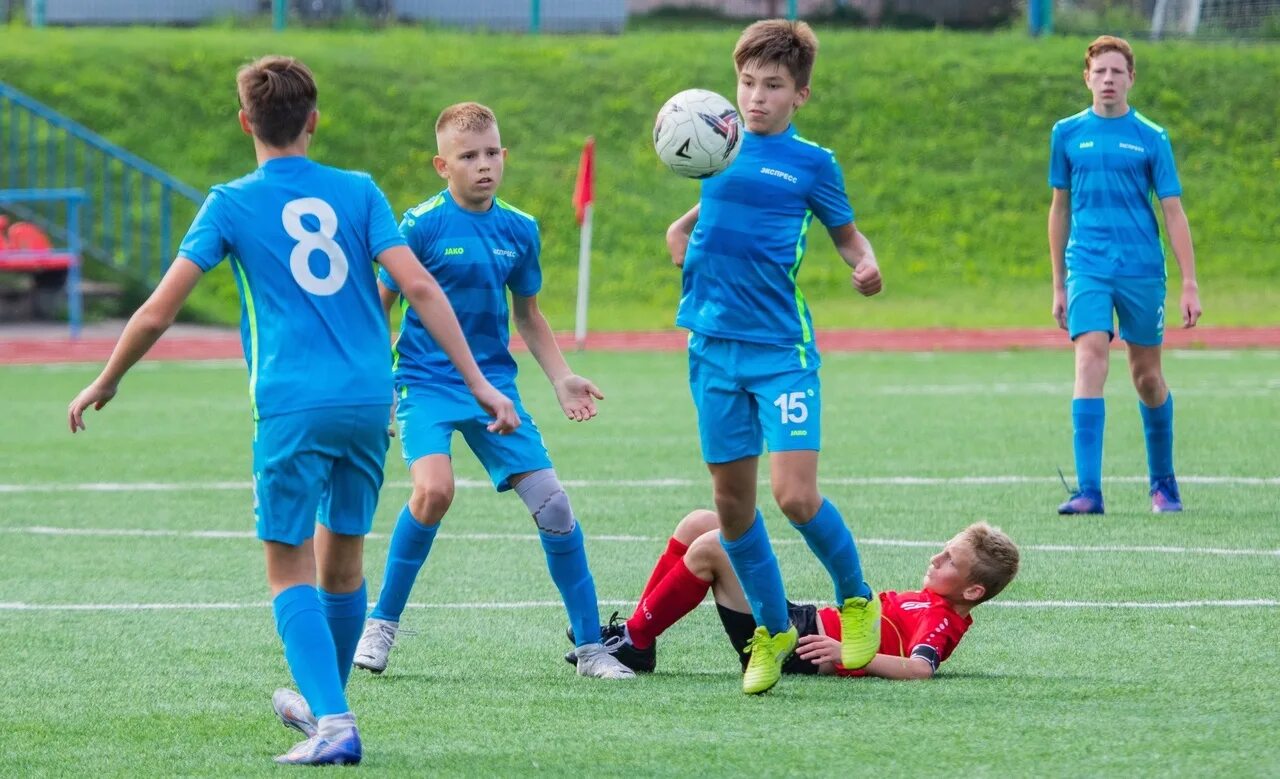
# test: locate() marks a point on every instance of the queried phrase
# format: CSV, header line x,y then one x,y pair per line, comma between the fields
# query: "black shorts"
x,y
741,626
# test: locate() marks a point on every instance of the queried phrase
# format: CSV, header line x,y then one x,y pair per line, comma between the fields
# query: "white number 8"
x,y
308,242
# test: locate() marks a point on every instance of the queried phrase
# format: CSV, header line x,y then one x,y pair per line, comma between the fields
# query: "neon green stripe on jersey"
x,y
811,143
1148,122
426,205
804,355
395,345
801,307
253,338
504,204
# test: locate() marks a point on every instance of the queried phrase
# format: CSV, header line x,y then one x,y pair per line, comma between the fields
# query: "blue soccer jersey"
x,y
745,252
476,258
302,238
1111,167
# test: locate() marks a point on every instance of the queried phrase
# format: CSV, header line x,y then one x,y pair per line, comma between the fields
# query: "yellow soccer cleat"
x,y
859,631
768,653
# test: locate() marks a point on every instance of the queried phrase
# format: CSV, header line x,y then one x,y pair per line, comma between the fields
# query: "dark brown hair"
x,y
278,94
791,45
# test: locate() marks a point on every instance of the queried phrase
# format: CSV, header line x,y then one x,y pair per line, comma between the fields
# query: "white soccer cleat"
x,y
595,661
375,644
293,711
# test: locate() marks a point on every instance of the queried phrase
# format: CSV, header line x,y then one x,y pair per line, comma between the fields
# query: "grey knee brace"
x,y
542,493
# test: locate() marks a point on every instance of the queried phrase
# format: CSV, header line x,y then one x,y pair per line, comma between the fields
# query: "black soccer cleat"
x,y
614,638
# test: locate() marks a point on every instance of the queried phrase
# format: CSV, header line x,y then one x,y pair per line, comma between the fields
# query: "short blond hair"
x,y
995,558
466,117
1105,43
787,44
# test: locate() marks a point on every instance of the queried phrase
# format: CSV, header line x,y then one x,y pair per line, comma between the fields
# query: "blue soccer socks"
x,y
410,545
1088,418
757,568
345,613
309,649
832,543
1157,424
567,562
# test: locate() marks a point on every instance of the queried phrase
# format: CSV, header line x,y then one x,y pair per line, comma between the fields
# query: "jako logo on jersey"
x,y
504,252
1087,145
780,174
1131,147
453,250
726,126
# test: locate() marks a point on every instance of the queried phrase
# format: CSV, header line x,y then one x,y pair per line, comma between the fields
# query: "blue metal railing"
x,y
127,220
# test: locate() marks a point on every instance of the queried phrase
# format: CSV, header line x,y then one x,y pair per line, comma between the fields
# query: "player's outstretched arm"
x,y
144,328
577,395
678,235
1059,229
423,293
856,251
824,652
1179,230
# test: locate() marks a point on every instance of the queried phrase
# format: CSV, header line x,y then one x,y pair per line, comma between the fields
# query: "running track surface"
x,y
39,345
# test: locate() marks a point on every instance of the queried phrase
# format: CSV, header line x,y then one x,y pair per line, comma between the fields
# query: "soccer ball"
x,y
697,133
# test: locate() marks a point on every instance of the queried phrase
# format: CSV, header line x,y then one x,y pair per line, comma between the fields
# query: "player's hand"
x,y
498,406
96,395
578,397
677,244
391,423
1060,307
1190,306
818,649
866,278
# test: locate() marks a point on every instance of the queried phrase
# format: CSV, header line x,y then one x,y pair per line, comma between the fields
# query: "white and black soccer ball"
x,y
697,133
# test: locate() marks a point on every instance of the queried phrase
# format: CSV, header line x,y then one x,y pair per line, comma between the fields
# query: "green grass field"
x,y
1073,671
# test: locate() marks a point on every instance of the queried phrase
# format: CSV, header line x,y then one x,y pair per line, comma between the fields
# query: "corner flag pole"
x,y
583,195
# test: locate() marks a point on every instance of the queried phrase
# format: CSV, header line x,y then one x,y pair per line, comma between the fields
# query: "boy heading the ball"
x,y
753,365
302,239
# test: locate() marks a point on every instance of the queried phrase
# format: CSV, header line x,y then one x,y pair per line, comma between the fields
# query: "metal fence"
x,y
130,208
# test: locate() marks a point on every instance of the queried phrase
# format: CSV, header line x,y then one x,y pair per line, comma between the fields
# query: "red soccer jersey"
x,y
912,624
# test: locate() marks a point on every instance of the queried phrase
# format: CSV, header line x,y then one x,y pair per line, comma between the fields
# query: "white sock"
x,y
334,726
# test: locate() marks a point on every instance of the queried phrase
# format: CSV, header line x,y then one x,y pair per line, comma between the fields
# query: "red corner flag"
x,y
583,190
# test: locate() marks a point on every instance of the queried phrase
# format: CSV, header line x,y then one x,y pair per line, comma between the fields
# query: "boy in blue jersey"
x,y
302,239
1104,244
753,368
479,247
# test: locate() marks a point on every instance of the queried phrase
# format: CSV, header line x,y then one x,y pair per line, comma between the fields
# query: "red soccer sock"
x,y
674,553
679,593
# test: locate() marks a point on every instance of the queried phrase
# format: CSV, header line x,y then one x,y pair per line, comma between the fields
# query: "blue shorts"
x,y
428,416
1137,302
320,465
745,392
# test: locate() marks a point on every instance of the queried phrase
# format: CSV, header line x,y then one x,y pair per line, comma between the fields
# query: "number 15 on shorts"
x,y
792,407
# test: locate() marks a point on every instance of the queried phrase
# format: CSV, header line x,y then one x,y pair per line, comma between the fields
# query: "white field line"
x,y
547,604
854,481
249,535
